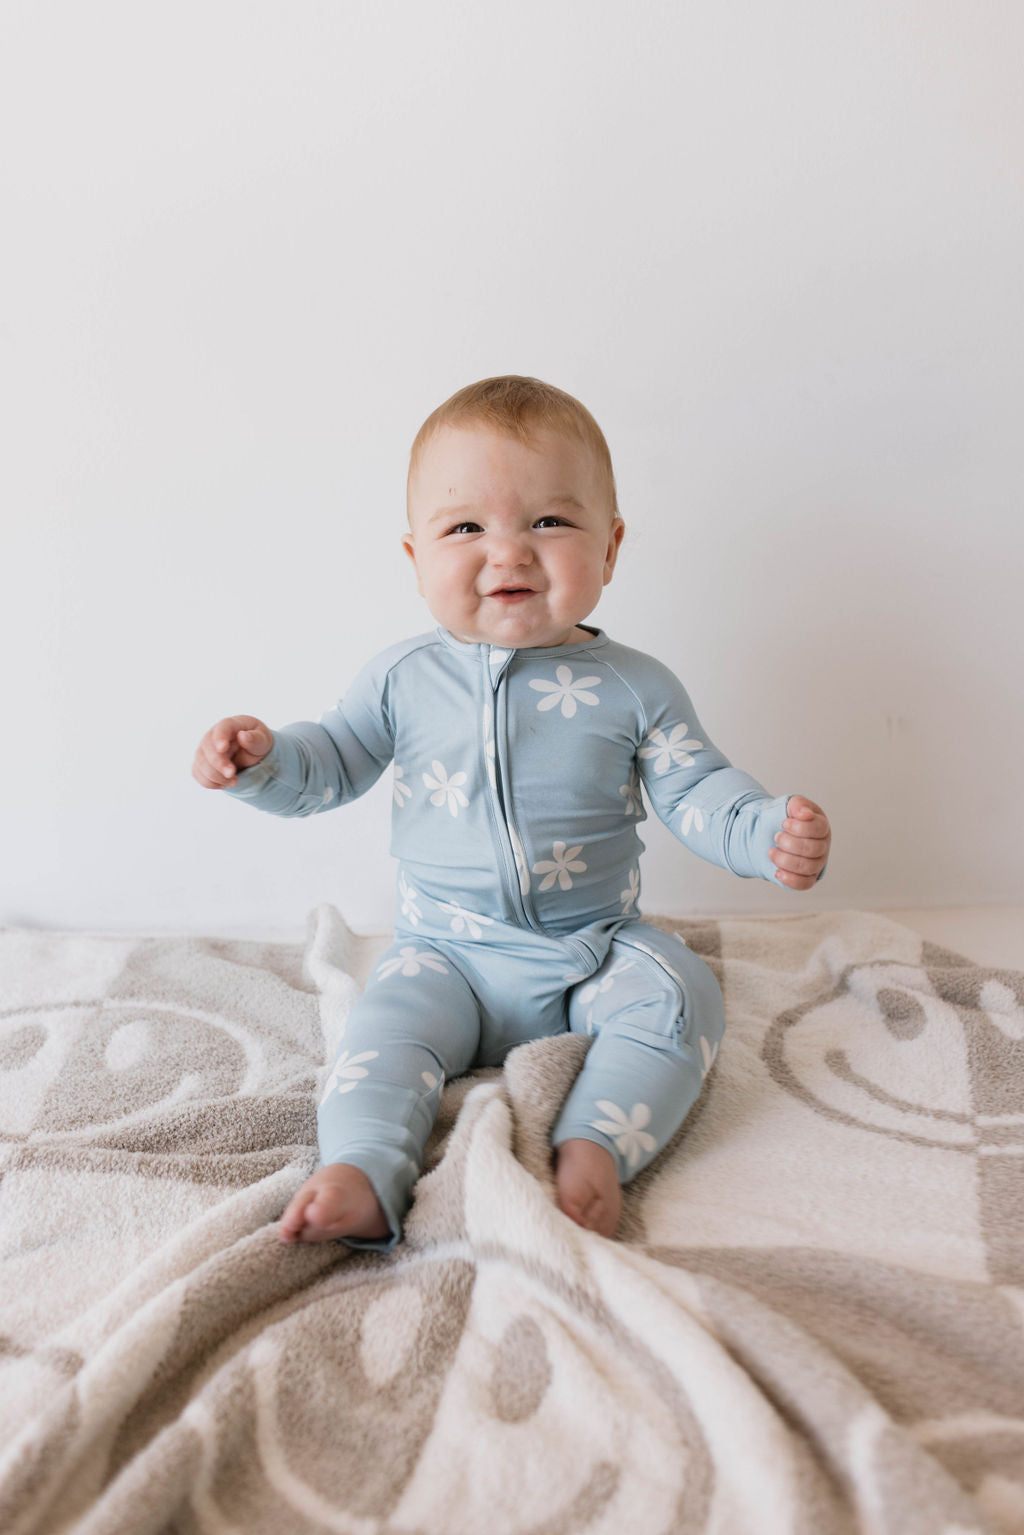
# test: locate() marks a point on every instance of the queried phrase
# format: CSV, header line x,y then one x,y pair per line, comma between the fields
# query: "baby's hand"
x,y
802,845
238,742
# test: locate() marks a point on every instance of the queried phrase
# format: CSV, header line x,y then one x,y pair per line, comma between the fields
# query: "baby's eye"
x,y
465,527
552,521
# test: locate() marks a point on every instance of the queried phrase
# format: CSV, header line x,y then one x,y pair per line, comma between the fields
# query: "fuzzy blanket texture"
x,y
812,1320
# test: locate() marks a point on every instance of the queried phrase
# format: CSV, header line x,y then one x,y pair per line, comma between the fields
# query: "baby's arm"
x,y
237,742
306,767
721,812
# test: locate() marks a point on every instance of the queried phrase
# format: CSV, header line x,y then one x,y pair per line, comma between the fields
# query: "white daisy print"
x,y
446,790
410,961
563,862
629,1135
693,819
593,991
628,897
708,1054
433,1082
472,921
596,988
670,748
327,796
347,1073
566,691
400,790
409,897
631,793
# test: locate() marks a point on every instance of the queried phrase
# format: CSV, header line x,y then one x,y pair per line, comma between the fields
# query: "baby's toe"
x,y
589,1206
327,1212
599,1216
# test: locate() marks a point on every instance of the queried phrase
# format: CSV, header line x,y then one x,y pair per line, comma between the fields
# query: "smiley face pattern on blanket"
x,y
812,1321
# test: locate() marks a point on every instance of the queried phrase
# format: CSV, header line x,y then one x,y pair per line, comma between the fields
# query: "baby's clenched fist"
x,y
232,744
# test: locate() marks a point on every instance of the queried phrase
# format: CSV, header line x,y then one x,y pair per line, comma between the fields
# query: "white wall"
x,y
247,247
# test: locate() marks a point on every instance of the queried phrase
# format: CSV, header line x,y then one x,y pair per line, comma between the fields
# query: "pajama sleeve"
x,y
717,810
314,767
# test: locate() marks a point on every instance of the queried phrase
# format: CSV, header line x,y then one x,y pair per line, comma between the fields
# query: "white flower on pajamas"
x,y
708,1054
563,862
692,817
631,791
446,790
628,897
566,691
409,899
400,790
431,1081
629,1135
597,987
347,1073
410,961
670,748
461,918
327,796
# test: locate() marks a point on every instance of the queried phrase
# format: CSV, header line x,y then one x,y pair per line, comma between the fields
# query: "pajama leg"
x,y
657,1023
417,1023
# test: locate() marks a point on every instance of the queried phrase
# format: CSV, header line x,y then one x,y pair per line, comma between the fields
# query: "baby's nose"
x,y
509,549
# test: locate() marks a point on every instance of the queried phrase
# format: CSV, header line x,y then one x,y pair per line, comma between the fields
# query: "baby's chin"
x,y
513,629
513,639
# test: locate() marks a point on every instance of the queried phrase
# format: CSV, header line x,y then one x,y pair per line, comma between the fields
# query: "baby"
x,y
521,740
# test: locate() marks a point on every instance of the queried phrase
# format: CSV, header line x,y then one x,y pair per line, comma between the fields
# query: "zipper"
x,y
500,820
505,828
511,829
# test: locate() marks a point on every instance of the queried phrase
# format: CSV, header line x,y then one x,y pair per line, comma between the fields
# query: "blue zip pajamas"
x,y
433,1010
518,785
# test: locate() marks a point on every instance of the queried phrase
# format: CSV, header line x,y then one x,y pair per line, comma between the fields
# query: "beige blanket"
x,y
813,1320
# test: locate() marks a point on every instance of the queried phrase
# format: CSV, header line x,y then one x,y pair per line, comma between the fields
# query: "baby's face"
x,y
512,544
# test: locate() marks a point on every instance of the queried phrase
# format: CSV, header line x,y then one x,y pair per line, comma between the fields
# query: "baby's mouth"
x,y
512,593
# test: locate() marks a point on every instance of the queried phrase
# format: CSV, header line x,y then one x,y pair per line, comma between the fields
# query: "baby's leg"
x,y
416,1024
657,1023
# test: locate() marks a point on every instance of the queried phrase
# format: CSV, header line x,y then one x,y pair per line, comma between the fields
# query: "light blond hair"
x,y
520,407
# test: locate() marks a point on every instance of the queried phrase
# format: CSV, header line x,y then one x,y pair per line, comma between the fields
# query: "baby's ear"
x,y
409,545
618,528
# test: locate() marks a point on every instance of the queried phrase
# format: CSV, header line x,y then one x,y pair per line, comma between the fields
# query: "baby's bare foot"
x,y
337,1201
587,1186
